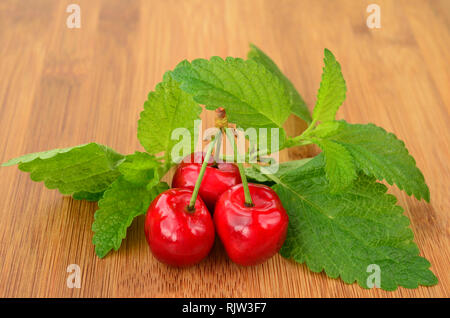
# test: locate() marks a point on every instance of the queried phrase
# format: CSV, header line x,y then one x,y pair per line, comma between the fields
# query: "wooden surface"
x,y
61,87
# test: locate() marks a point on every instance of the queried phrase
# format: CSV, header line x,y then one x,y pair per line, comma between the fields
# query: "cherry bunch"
x,y
248,218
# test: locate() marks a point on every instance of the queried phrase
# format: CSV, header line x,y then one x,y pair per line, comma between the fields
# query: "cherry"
x,y
218,177
250,234
178,235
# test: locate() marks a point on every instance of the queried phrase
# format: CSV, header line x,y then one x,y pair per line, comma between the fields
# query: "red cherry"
x,y
217,179
253,234
177,236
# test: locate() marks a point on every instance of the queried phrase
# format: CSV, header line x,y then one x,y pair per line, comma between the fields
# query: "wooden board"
x,y
61,87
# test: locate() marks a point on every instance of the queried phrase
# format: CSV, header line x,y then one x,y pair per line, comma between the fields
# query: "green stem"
x,y
247,196
191,206
230,158
310,127
300,140
218,146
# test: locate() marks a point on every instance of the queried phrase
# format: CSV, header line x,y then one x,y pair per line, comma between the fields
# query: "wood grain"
x,y
61,87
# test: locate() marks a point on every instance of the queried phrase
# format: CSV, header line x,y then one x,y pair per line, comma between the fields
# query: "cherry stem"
x,y
218,146
191,206
247,196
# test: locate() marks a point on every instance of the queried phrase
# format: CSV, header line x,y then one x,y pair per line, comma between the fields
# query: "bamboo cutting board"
x,y
61,87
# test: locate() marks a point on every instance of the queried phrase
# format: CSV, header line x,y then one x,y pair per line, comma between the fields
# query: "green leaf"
x,y
339,166
380,154
120,204
141,168
252,96
298,105
88,196
166,109
256,175
85,168
332,90
343,233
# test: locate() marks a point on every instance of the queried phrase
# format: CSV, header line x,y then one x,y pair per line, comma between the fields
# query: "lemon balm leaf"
x,y
344,233
252,96
120,204
377,153
332,90
141,168
298,105
167,108
79,171
339,167
88,196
